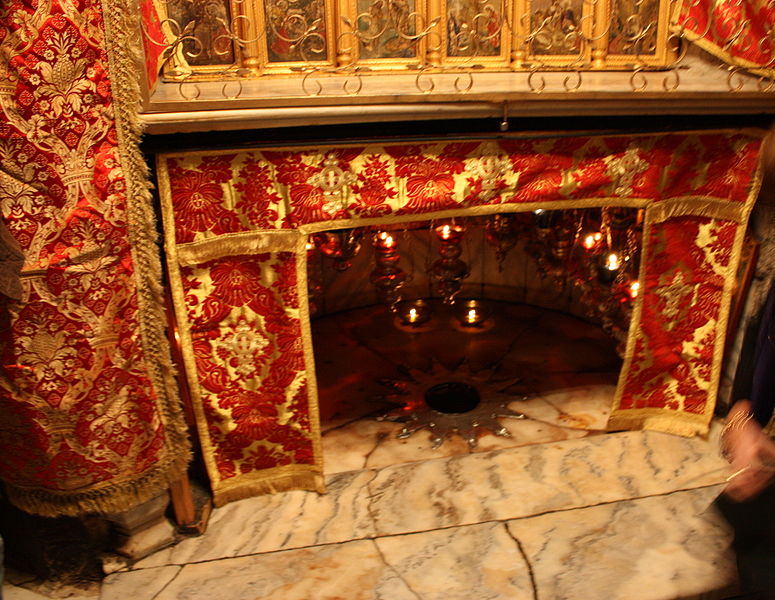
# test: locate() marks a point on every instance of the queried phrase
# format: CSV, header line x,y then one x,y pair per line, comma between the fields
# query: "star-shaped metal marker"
x,y
457,401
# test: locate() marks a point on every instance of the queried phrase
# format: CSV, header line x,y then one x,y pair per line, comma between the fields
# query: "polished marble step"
x,y
453,491
663,547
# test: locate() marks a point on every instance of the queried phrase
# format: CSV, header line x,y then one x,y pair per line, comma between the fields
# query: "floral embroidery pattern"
x,y
255,371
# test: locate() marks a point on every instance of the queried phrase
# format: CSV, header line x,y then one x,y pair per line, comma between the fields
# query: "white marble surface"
x,y
453,491
281,521
47,590
476,562
520,482
657,548
561,510
145,584
354,570
672,546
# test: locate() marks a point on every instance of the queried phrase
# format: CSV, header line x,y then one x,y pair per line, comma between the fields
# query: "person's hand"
x,y
750,452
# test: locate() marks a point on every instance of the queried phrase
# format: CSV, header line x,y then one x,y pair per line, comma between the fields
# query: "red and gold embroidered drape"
x,y
89,414
237,223
739,33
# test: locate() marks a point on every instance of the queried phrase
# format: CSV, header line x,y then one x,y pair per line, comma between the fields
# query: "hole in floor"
x,y
452,397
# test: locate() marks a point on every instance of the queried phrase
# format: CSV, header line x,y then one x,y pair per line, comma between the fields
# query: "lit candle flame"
x,y
634,289
413,316
472,317
446,232
613,262
385,240
592,240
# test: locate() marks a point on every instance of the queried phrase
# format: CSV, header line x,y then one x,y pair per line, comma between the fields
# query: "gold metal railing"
x,y
315,41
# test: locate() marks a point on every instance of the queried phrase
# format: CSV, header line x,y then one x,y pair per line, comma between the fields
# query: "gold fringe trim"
x,y
309,354
673,423
184,329
697,206
270,482
235,244
111,497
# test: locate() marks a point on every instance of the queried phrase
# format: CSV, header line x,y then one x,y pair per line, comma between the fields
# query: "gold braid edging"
x,y
269,481
110,497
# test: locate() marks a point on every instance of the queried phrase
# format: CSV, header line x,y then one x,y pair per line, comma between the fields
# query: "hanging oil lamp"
x,y
591,241
500,232
633,290
387,276
341,245
543,218
608,269
449,270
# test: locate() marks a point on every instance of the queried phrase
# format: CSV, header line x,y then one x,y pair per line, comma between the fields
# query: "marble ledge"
x,y
456,491
658,548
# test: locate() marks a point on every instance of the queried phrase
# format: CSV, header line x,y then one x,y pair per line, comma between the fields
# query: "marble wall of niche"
x,y
518,280
551,361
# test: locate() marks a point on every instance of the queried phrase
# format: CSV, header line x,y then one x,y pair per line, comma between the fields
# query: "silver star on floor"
x,y
415,413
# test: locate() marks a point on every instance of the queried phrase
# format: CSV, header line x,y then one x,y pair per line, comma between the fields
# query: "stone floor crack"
x,y
381,437
525,558
392,568
369,500
166,585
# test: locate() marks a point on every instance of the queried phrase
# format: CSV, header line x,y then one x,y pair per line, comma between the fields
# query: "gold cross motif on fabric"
x,y
332,179
244,343
490,169
678,296
623,171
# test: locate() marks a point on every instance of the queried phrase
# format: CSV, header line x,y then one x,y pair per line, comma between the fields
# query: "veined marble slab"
x,y
462,490
474,562
520,482
274,522
353,570
658,548
478,562
37,590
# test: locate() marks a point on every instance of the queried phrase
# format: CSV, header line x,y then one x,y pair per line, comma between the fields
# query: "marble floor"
x,y
559,510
